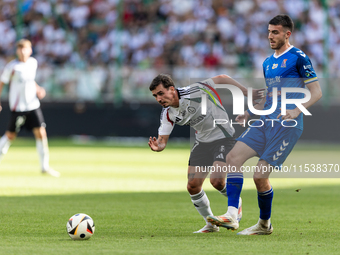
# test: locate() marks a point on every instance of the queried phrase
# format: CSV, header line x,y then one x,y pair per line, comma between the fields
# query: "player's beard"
x,y
279,44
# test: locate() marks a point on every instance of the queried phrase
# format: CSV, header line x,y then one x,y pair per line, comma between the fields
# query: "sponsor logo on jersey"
x,y
283,64
307,67
271,81
275,66
195,121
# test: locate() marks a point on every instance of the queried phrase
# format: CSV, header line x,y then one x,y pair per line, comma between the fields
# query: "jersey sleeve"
x,y
167,125
6,74
35,64
305,69
264,67
209,82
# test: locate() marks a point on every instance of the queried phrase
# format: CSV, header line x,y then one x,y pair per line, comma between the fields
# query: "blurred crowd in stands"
x,y
88,48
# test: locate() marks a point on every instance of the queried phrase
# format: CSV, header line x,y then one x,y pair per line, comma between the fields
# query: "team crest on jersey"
x,y
191,109
283,64
274,66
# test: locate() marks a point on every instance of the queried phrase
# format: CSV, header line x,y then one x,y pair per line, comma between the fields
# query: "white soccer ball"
x,y
80,226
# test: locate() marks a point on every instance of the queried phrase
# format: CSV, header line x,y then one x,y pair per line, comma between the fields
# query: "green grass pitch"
x,y
139,204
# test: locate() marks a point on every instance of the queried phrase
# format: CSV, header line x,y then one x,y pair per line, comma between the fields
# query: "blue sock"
x,y
265,203
234,188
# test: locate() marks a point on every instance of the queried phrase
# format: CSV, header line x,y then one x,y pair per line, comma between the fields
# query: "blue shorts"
x,y
272,144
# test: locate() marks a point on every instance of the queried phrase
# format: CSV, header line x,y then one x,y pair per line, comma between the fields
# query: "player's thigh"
x,y
200,155
279,146
17,120
35,122
219,150
239,154
218,170
197,174
254,137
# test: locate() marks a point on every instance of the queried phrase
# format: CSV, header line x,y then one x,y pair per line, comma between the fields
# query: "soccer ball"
x,y
80,226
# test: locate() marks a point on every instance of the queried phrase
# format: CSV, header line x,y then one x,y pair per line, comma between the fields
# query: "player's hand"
x,y
290,114
153,143
257,94
41,92
242,119
0,107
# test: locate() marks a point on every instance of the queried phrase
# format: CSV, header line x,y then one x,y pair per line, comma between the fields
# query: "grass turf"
x,y
139,204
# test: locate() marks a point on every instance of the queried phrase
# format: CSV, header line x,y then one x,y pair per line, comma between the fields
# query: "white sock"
x,y
224,191
42,148
233,211
5,143
264,223
202,205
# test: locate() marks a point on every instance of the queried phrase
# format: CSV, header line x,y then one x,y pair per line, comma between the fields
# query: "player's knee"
x,y
218,183
232,158
11,135
193,187
39,133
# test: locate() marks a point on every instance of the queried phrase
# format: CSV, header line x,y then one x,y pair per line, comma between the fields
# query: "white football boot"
x,y
51,172
258,229
226,220
208,229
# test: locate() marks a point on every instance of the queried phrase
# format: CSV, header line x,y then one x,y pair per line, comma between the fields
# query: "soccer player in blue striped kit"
x,y
272,142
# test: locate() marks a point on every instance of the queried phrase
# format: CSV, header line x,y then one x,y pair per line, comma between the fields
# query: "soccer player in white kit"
x,y
213,141
24,95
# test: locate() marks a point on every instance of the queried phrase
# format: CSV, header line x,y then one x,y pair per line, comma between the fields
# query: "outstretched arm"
x,y
225,79
158,144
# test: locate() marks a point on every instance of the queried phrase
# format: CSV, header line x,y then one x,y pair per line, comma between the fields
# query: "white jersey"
x,y
22,87
189,113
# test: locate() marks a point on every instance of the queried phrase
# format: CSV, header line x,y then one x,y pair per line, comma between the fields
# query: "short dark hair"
x,y
284,20
164,79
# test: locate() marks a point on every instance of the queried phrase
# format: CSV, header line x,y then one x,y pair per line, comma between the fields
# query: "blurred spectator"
x,y
191,37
